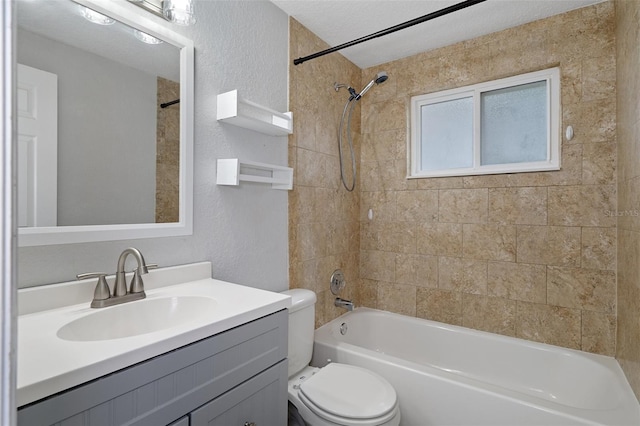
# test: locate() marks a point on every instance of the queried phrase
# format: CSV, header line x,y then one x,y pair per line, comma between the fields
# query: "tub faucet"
x,y
343,303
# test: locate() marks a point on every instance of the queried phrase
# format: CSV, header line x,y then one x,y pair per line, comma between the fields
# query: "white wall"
x,y
106,130
238,45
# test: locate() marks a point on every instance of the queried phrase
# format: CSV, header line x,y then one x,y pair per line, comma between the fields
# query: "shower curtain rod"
x,y
167,104
393,29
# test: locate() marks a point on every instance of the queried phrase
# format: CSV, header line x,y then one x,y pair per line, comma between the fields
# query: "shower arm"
x,y
398,27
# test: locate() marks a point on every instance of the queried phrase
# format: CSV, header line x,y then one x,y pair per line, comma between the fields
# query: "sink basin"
x,y
136,318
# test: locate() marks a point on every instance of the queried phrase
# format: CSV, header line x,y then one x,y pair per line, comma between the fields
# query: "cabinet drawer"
x,y
260,401
160,390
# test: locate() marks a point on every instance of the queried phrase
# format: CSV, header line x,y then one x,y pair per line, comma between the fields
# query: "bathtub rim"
x,y
628,404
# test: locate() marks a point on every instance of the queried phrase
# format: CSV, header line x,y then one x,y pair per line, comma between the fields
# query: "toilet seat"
x,y
349,395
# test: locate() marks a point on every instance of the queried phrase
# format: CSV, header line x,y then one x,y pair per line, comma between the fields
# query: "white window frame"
x,y
552,162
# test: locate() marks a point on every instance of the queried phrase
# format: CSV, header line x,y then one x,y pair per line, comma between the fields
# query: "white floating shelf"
x,y
231,171
234,110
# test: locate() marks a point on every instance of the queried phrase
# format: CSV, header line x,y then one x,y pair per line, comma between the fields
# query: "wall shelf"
x,y
231,171
240,112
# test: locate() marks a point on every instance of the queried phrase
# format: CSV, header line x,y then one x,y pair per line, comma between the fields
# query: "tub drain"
x,y
343,328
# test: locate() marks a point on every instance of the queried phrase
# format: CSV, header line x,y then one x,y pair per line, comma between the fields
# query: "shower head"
x,y
380,78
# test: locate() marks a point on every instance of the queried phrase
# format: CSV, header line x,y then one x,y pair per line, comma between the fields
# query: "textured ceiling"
x,y
340,21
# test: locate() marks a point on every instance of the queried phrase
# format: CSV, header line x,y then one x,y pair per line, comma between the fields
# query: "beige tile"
x,y
311,240
439,239
367,294
517,281
389,175
489,242
582,205
581,288
377,265
418,270
549,245
462,275
382,146
519,206
440,183
389,236
492,314
548,324
417,206
439,305
397,298
486,181
598,78
599,248
599,163
593,121
383,116
463,205
571,82
599,333
569,174
381,203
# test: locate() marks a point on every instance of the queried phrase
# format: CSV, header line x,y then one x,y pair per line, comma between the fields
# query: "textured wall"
x,y
531,255
323,216
628,128
242,231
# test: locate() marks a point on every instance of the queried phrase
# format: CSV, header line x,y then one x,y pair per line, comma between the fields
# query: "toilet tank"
x,y
301,328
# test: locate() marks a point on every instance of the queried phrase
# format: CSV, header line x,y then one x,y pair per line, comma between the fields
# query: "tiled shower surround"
x,y
531,255
628,135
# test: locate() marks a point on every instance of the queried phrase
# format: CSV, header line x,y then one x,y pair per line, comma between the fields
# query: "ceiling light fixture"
x,y
177,11
95,17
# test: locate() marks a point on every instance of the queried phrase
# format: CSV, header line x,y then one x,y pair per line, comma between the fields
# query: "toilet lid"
x,y
350,392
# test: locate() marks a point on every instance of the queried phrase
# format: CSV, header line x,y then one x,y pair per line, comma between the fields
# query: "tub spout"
x,y
342,303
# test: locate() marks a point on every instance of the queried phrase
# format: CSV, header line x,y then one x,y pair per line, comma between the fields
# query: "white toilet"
x,y
338,394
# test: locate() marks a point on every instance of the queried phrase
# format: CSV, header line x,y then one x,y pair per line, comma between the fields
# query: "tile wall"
x,y
531,255
168,153
323,216
628,129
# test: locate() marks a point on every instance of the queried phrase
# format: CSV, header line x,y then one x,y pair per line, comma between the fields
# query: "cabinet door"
x,y
184,421
260,401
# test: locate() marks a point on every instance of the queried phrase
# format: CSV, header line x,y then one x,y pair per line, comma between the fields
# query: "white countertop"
x,y
48,364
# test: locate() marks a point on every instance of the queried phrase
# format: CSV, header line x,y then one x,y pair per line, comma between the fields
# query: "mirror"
x,y
105,151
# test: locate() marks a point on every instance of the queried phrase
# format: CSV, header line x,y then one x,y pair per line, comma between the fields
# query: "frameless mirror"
x,y
105,127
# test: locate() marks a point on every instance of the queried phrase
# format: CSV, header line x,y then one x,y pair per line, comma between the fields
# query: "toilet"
x,y
338,394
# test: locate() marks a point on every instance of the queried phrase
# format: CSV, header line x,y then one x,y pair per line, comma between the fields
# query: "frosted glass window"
x,y
514,124
447,135
509,125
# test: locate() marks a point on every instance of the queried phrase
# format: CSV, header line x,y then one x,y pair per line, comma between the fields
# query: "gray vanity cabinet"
x,y
238,377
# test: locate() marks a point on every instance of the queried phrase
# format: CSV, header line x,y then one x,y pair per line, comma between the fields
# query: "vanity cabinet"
x,y
236,377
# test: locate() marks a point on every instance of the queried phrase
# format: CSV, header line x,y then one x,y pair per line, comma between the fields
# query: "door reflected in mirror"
x,y
104,119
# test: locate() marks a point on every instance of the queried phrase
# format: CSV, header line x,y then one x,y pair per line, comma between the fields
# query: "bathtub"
x,y
448,375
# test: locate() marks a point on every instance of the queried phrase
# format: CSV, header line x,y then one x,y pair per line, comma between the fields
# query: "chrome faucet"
x,y
342,303
102,295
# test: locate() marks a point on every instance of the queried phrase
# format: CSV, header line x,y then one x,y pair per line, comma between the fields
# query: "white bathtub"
x,y
448,375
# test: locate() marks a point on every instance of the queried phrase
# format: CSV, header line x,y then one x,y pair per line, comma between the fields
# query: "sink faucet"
x,y
120,288
342,303
102,295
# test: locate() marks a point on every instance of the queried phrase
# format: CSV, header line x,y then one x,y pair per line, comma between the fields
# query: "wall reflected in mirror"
x,y
95,146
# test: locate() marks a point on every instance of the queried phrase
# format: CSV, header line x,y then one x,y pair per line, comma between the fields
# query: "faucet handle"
x,y
137,285
102,291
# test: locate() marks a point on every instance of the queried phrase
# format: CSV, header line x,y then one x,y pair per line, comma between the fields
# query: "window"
x,y
502,126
